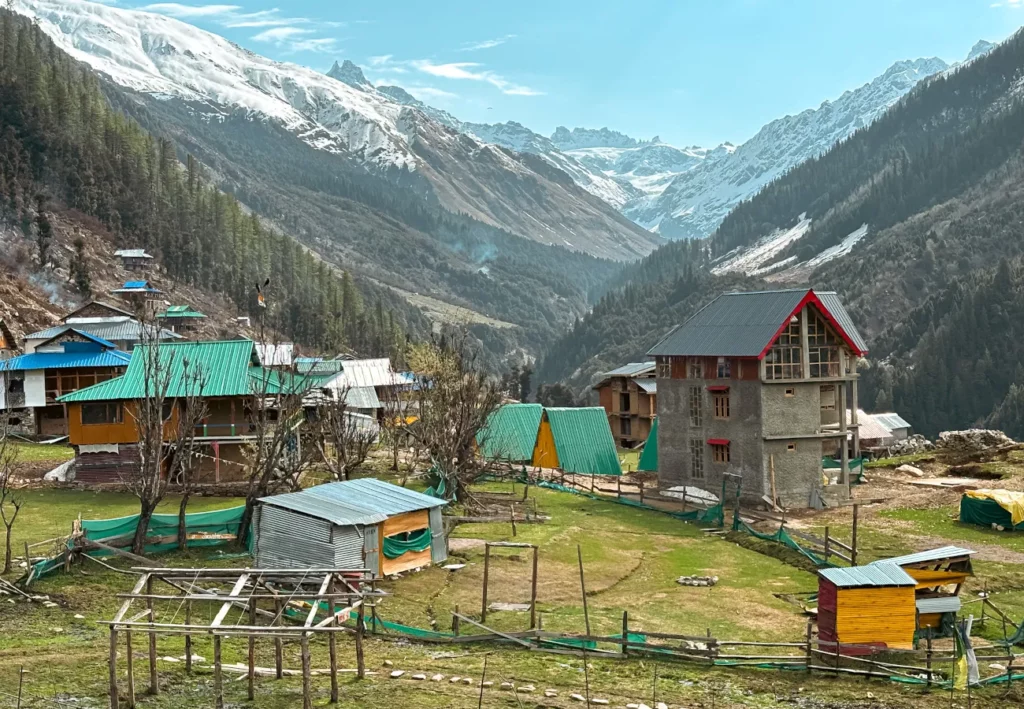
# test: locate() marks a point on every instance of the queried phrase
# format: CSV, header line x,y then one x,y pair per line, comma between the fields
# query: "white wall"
x,y
35,388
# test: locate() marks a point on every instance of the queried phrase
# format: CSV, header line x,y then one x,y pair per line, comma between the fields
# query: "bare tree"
x,y
344,436
279,451
11,498
397,403
454,401
170,404
192,411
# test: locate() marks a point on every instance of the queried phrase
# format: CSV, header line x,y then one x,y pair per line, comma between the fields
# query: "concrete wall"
x,y
799,414
797,470
35,388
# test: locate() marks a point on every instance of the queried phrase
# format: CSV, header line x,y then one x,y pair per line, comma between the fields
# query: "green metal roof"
x,y
583,440
181,311
649,456
511,432
224,366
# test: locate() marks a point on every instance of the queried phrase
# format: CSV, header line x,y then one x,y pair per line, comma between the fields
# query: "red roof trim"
x,y
718,387
812,297
718,441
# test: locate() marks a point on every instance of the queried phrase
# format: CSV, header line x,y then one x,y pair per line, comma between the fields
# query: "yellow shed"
x,y
867,606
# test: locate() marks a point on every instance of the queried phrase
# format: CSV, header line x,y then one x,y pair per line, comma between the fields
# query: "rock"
x,y
437,678
577,697
49,604
388,663
910,470
79,616
419,676
453,680
643,706
550,693
972,440
526,689
599,701
57,630
453,567
661,705
911,446
397,673
488,683
697,580
467,680
507,685
633,705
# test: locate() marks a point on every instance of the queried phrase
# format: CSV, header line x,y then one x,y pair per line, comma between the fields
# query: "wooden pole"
x,y
332,645
483,675
112,668
455,621
625,632
154,685
853,540
487,569
533,592
810,633
252,652
586,671
826,543
21,680
188,638
307,692
360,629
641,492
130,661
512,516
278,649
583,590
218,675
771,472
928,658
28,562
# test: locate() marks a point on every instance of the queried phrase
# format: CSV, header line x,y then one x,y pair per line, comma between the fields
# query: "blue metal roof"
x,y
65,360
921,557
878,574
136,287
363,501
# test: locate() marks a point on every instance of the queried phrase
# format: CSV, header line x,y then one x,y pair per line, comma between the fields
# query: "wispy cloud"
x,y
175,9
279,34
473,71
296,39
486,44
1018,4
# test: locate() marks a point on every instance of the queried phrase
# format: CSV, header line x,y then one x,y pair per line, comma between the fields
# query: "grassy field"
x,y
39,453
631,559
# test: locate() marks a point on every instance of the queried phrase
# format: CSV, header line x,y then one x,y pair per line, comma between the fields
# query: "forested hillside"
x,y
61,143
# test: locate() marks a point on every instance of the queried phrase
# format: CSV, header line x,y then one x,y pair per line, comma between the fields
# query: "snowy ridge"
x,y
759,259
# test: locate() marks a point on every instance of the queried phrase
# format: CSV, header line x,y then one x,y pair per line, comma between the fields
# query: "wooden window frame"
x,y
664,368
724,368
696,403
785,358
697,458
694,368
722,405
720,452
108,406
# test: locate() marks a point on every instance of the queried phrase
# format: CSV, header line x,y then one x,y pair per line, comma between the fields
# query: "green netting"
x,y
782,537
161,527
856,467
986,513
712,515
399,544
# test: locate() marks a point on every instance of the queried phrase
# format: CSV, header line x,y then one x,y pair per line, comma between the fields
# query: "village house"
x,y
142,297
134,259
754,384
104,321
8,344
102,419
69,360
629,395
182,319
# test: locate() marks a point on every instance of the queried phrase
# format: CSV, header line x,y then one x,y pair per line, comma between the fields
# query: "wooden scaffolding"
x,y
274,604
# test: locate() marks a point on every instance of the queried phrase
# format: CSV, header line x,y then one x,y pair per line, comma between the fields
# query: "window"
x,y
791,446
822,347
720,452
101,413
697,458
722,405
624,402
783,360
664,367
626,427
695,368
696,406
724,368
17,386
790,391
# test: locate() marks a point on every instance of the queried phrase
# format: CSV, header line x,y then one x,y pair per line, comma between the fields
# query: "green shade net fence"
x,y
161,526
399,544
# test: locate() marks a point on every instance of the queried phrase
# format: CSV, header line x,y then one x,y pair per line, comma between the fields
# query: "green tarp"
x,y
511,433
649,456
397,545
986,513
583,440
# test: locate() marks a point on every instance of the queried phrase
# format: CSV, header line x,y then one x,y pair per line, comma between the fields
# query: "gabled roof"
x,y
363,501
65,360
922,557
878,574
118,328
511,432
746,324
98,303
366,373
583,440
362,398
632,369
103,343
649,456
136,287
180,311
891,421
224,365
318,365
132,253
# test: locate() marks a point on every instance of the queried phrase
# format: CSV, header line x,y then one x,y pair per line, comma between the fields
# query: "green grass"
x,y
943,522
629,459
38,453
898,460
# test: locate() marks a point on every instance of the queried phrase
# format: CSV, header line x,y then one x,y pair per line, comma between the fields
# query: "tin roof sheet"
x,y
649,456
631,370
115,329
830,299
947,552
318,365
648,386
877,574
511,432
362,398
65,360
891,421
583,440
132,253
941,604
366,373
363,501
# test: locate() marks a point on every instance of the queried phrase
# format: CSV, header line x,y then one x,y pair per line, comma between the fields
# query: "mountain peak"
x,y
591,138
348,73
980,47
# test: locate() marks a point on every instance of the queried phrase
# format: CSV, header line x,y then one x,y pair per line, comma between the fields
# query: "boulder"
x,y
972,440
910,470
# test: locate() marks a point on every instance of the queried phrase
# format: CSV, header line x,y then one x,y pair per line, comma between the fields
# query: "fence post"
x,y
625,632
810,631
487,568
826,544
853,540
533,591
928,658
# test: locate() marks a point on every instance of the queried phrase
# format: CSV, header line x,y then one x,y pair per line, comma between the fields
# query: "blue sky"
x,y
695,72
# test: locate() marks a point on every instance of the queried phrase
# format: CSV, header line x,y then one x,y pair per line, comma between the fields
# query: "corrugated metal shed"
x,y
947,552
106,344
743,324
584,440
360,502
874,575
942,604
115,328
891,421
362,398
649,455
648,386
224,364
365,373
511,432
870,429
65,360
631,370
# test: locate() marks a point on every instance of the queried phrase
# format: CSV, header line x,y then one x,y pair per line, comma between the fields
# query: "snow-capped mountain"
x,y
342,113
648,167
696,201
577,138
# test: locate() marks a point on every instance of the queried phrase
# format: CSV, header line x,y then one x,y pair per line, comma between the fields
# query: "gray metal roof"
x,y
743,324
132,253
948,552
891,421
366,373
649,386
363,501
362,398
877,574
631,370
942,604
115,329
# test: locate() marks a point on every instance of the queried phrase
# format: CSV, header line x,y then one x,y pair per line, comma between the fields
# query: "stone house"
x,y
629,395
755,384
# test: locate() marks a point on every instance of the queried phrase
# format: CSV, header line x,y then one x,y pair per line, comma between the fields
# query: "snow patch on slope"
x,y
841,249
753,259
